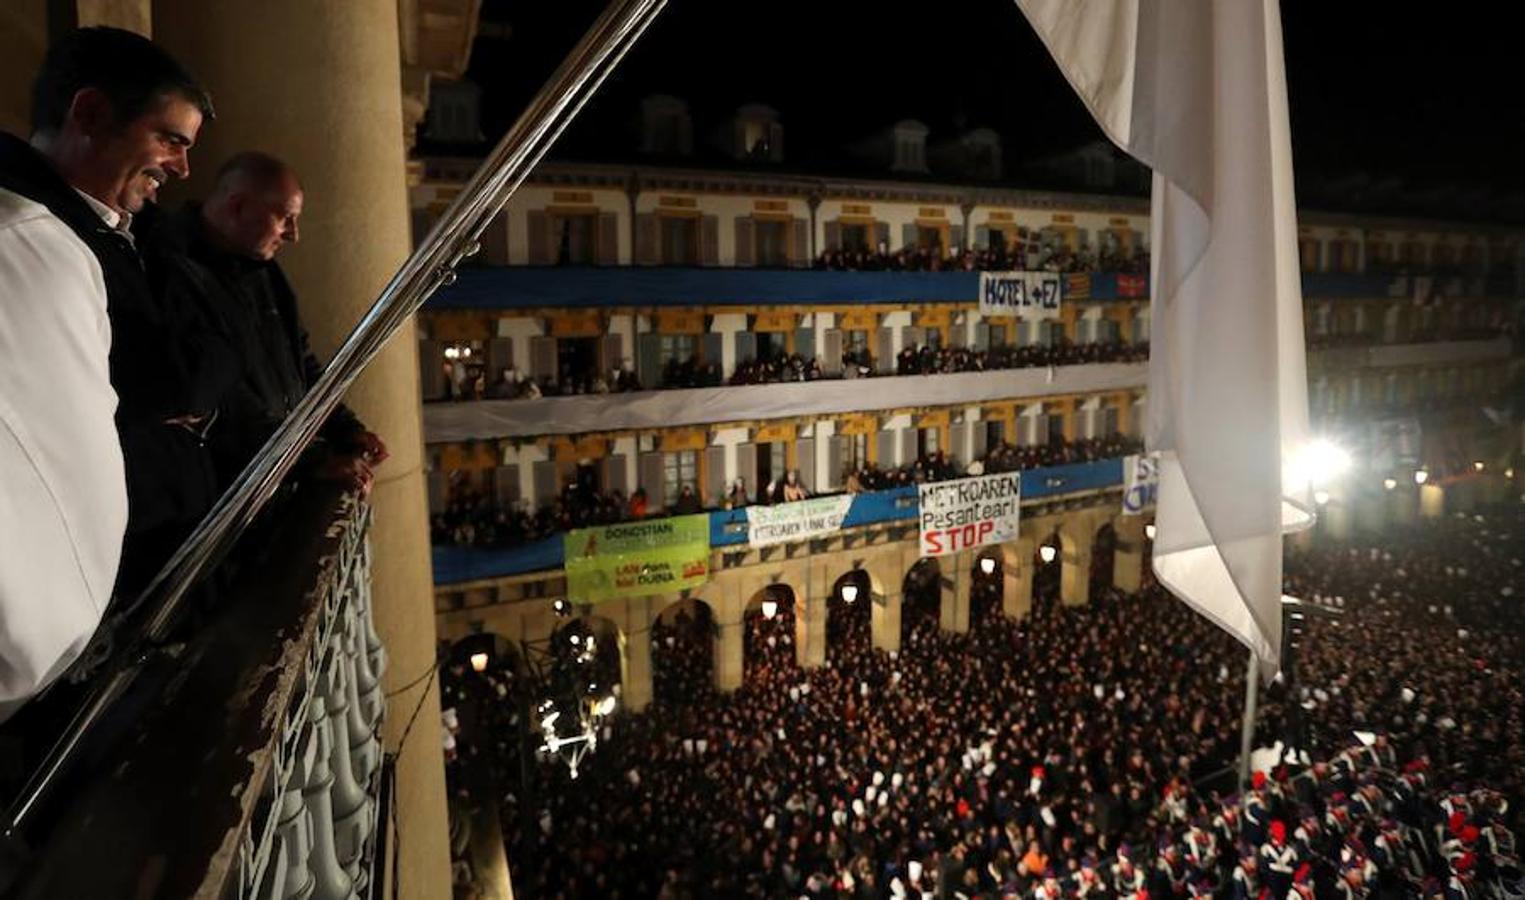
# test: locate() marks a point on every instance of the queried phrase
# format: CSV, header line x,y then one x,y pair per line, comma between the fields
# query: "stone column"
x,y
1075,561
1017,578
884,621
729,664
1128,558
953,615
809,631
317,84
633,616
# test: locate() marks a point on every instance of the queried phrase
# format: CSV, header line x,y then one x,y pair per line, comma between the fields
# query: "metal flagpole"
x,y
1247,737
431,266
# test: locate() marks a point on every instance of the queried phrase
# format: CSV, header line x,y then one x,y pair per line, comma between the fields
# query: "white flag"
x,y
1197,91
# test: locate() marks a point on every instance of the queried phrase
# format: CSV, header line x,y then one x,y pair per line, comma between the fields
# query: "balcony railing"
x,y
455,564
248,762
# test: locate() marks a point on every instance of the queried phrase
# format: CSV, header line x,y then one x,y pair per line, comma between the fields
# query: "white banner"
x,y
1030,295
970,512
1141,482
769,525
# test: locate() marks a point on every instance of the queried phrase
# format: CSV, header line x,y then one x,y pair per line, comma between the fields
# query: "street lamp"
x,y
1477,465
849,592
1421,476
1321,497
769,608
987,565
1389,482
479,662
1149,531
1047,552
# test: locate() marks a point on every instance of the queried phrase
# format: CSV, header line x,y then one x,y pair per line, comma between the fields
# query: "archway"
x,y
768,647
1103,558
921,603
848,615
683,653
986,584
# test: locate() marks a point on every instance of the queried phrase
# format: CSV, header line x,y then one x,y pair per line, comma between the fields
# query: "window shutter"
x,y
544,482
746,346
506,484
653,474
960,448
1109,421
979,439
982,335
614,474
648,359
611,352
982,237
711,347
886,351
956,237
831,362
500,355
436,486
913,336
495,241
608,239
804,342
833,235
836,458
648,250
881,236
746,467
714,483
958,334
804,461
908,235
745,249
543,357
907,446
536,232
799,248
709,241
885,441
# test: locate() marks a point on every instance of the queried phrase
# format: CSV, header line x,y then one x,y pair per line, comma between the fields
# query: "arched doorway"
x,y
1103,558
768,647
921,601
986,585
683,653
848,616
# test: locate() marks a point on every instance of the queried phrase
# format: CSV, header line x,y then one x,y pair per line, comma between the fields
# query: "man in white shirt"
x,y
113,117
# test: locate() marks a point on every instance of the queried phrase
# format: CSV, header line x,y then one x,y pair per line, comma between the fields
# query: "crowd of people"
x,y
476,518
1029,256
1073,753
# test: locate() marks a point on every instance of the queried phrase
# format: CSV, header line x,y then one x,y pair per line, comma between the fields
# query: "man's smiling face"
x,y
148,151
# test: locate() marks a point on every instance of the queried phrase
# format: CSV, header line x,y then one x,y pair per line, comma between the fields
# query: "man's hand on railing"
x,y
370,446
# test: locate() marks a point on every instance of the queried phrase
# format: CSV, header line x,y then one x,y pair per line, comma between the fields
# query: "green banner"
x,y
632,559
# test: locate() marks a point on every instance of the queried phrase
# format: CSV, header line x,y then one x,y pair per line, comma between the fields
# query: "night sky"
x,y
1410,111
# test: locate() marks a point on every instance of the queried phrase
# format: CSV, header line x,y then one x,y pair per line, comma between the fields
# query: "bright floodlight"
x,y
1320,497
849,592
606,705
770,608
1149,531
1421,476
1478,465
479,662
1509,473
1389,483
1047,553
1321,462
987,565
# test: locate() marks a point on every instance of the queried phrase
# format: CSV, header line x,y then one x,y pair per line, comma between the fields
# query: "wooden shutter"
x,y
836,458
979,438
746,254
885,354
648,359
608,253
982,335
831,361
614,476
537,231
544,474
746,346
913,336
648,249
500,355
908,235
436,485
885,441
494,250
958,334
712,347
506,484
799,248
804,342
715,487
543,357
653,473
833,235
982,237
709,241
908,446
956,237
611,352
881,235
746,467
804,461
959,432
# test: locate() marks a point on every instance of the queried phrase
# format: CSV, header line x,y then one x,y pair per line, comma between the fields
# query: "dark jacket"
x,y
255,314
161,352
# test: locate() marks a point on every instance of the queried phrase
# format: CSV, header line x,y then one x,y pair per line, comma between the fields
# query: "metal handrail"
x,y
432,265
